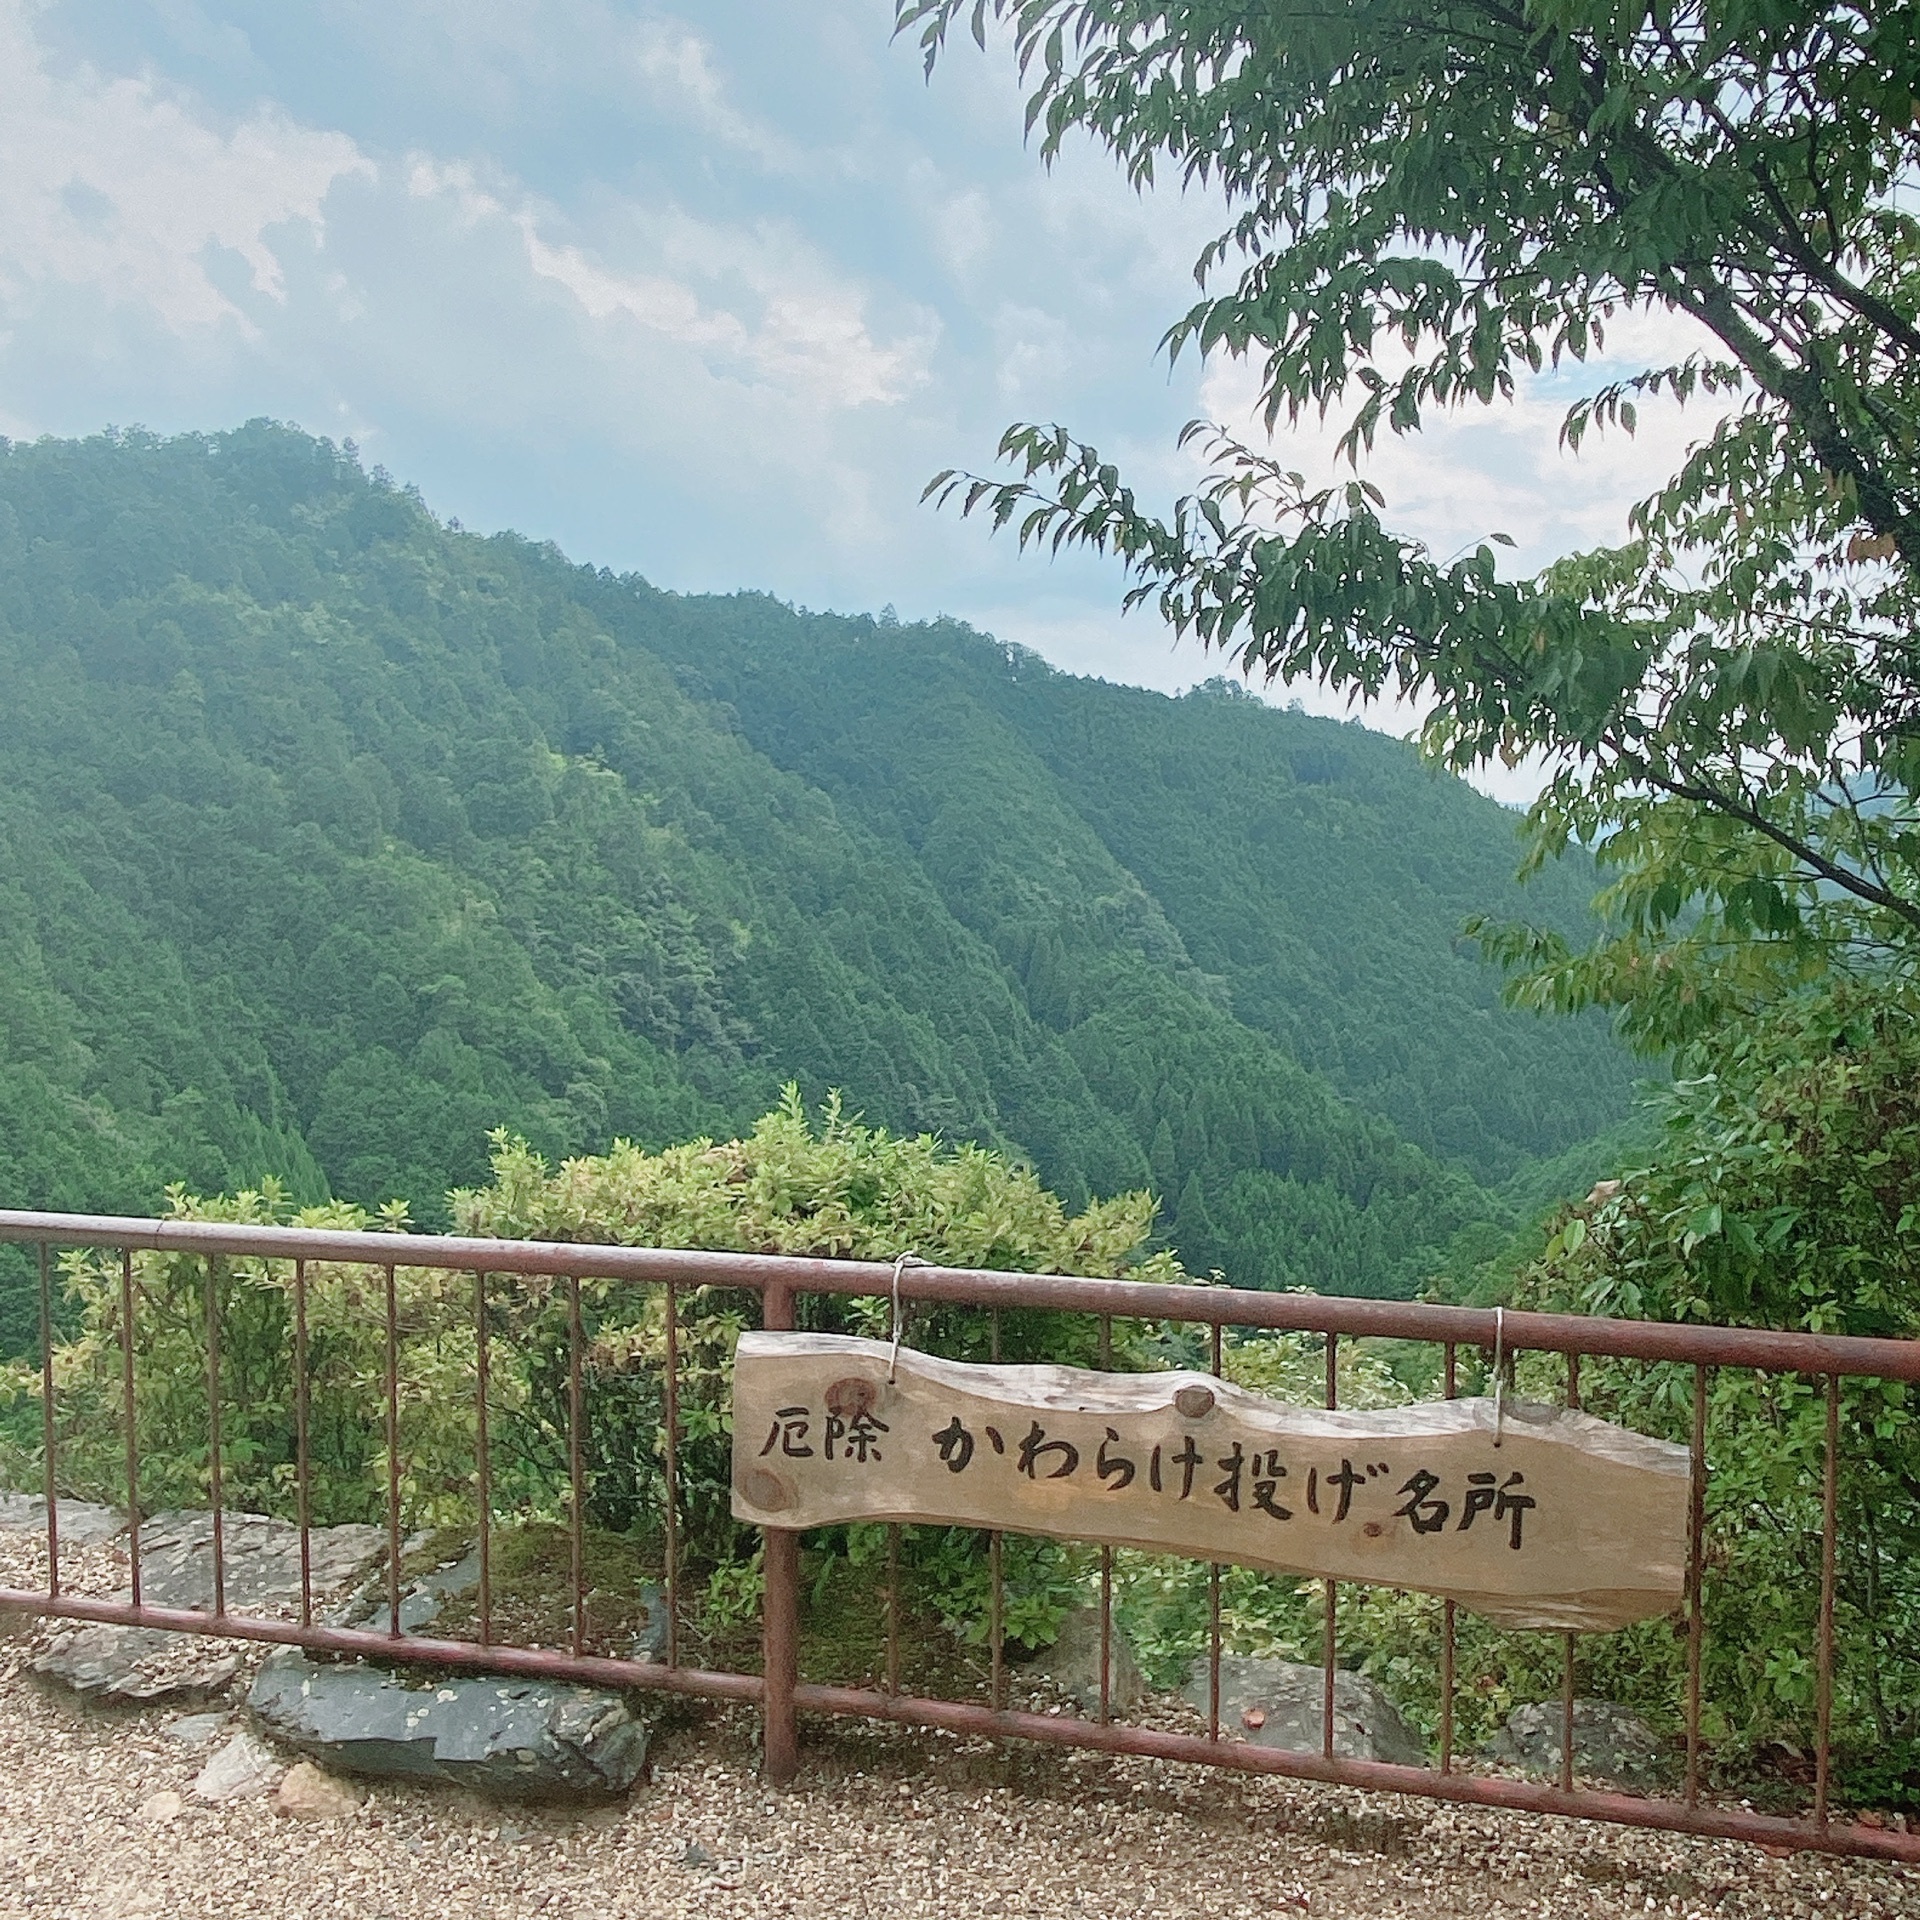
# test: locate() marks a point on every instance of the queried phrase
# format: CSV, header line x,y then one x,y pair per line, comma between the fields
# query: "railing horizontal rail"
x,y
543,1663
1378,1776
1765,1349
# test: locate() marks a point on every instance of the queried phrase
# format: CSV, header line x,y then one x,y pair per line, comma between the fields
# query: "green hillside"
x,y
331,838
1309,878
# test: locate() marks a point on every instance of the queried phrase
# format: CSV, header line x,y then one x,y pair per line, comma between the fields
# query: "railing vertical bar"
x,y
996,1622
1330,1630
1696,1568
1106,1565
1567,1642
576,1500
1213,1650
49,1445
214,1463
482,1458
127,1415
302,1444
1823,1677
1213,1587
1448,1626
1106,1635
893,1609
780,1608
996,1590
393,1452
673,1474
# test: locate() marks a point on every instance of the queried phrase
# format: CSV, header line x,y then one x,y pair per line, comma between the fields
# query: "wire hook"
x,y
900,1264
1499,1370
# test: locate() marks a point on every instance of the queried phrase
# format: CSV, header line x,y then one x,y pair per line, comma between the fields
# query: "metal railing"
x,y
777,1690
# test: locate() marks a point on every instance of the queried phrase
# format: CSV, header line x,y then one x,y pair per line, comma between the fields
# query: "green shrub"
x,y
837,1189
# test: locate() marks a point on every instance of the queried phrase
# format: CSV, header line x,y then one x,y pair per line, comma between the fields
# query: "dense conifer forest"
x,y
333,838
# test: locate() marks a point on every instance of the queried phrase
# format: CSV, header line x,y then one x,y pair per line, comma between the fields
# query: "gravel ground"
x,y
97,1818
881,1824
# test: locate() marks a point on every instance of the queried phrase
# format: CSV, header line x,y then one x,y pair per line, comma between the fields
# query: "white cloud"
x,y
677,67
754,304
1033,352
964,230
113,187
1477,471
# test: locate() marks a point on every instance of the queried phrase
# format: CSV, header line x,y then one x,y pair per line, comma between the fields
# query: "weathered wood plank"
x,y
1565,1522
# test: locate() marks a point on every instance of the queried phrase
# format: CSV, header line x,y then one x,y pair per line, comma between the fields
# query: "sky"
x,y
706,292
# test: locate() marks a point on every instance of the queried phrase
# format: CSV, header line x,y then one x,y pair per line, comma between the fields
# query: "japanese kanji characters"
x,y
1276,1484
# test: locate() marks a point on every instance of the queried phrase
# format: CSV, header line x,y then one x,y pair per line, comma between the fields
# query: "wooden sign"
x,y
1558,1521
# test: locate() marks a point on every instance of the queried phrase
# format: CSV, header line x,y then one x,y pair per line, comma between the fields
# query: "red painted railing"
x,y
779,1281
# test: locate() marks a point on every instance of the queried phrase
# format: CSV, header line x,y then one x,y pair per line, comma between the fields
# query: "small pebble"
x,y
311,1793
162,1807
195,1731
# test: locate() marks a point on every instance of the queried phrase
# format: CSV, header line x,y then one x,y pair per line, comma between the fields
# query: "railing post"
x,y
780,1609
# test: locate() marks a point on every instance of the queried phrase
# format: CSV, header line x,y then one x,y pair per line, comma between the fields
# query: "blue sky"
x,y
704,291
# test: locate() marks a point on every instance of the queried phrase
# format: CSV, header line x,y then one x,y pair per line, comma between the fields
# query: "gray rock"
x,y
1609,1743
1072,1663
650,1643
262,1559
243,1769
519,1739
81,1522
1280,1703
138,1666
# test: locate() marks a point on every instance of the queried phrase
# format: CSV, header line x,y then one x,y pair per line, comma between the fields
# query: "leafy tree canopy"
x,y
1784,1188
1428,205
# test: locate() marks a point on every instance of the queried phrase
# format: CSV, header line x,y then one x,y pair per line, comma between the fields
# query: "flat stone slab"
x,y
1282,1703
81,1522
508,1738
138,1666
261,1555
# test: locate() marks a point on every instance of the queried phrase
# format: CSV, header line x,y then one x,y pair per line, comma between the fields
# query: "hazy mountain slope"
x,y
1310,877
334,837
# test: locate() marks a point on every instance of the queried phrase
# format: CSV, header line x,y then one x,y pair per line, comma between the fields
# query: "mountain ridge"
x,y
335,837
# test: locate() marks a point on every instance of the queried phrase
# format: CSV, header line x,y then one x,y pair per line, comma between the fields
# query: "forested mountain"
x,y
1309,878
332,837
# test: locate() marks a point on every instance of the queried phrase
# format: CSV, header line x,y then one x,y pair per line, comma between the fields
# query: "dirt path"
x,y
882,1825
